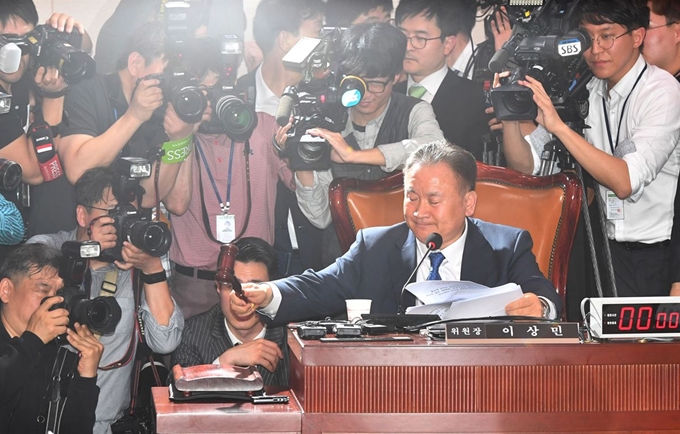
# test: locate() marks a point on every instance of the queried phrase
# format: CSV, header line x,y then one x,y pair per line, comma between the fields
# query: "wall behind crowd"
x,y
93,14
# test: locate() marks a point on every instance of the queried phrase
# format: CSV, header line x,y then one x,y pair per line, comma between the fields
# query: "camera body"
x,y
100,314
52,48
545,48
133,225
233,112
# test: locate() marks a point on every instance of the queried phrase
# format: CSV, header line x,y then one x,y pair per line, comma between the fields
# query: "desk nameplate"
x,y
511,332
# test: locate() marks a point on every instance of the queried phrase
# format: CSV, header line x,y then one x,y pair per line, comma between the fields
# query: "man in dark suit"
x,y
439,182
223,336
431,27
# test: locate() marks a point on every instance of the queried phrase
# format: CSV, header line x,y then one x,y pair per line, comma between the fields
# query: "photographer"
x,y
381,131
28,353
113,115
18,19
220,171
630,147
163,321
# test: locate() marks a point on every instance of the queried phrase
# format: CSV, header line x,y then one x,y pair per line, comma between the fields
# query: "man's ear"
x,y
81,216
449,44
285,41
638,36
470,200
136,64
6,287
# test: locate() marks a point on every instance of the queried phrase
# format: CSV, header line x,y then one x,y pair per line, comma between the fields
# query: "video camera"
x,y
544,47
100,314
320,101
132,225
10,175
51,48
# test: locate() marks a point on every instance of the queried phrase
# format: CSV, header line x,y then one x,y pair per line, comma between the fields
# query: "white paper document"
x,y
455,300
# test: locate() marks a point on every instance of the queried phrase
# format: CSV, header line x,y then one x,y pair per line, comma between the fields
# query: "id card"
x,y
614,207
226,228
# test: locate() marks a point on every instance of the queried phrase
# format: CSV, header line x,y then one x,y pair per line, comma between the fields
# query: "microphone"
x,y
433,242
499,60
286,105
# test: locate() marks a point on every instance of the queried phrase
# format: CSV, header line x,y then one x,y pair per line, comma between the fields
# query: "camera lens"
x,y
238,118
311,152
520,101
10,175
73,64
189,103
101,314
152,237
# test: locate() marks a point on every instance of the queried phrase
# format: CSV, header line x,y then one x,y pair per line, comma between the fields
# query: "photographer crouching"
x,y
112,221
31,320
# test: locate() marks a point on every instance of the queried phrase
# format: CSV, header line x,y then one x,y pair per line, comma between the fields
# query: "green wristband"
x,y
177,151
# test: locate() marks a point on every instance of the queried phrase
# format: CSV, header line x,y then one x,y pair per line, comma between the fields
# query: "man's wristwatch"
x,y
150,279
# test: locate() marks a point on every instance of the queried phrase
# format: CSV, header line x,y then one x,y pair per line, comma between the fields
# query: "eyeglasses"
x,y
108,210
376,86
418,42
606,41
662,25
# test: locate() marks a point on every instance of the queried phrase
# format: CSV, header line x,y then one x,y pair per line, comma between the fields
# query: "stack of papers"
x,y
456,300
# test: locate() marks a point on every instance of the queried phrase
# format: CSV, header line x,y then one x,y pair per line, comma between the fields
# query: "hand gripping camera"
x,y
100,314
133,225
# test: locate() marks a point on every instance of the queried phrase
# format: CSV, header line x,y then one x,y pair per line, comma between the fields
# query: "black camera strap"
x,y
204,211
54,396
613,145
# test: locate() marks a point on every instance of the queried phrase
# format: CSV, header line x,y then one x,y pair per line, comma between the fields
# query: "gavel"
x,y
225,268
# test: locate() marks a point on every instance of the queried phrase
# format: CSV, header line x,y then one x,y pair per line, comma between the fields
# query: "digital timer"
x,y
634,317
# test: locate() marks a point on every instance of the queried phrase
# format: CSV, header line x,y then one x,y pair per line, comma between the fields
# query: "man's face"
x,y
433,203
376,97
421,62
375,15
153,67
23,298
613,63
16,26
245,272
661,42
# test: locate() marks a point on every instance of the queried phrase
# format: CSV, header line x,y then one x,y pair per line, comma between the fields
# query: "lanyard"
x,y
623,111
223,206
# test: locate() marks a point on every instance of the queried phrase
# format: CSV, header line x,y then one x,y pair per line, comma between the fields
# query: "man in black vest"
x,y
431,27
381,132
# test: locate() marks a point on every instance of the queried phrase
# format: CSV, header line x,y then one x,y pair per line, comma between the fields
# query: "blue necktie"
x,y
436,259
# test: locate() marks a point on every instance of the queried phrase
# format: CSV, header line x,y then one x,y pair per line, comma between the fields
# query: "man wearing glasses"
x,y
431,27
662,49
381,132
630,147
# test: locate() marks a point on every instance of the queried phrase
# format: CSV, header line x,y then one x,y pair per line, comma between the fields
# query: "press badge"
x,y
614,207
226,228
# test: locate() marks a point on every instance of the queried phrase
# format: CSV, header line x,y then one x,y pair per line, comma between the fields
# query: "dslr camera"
x,y
320,101
52,48
100,314
544,47
133,225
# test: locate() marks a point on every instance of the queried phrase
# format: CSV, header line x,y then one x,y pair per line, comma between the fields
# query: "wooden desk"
x,y
425,386
242,418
